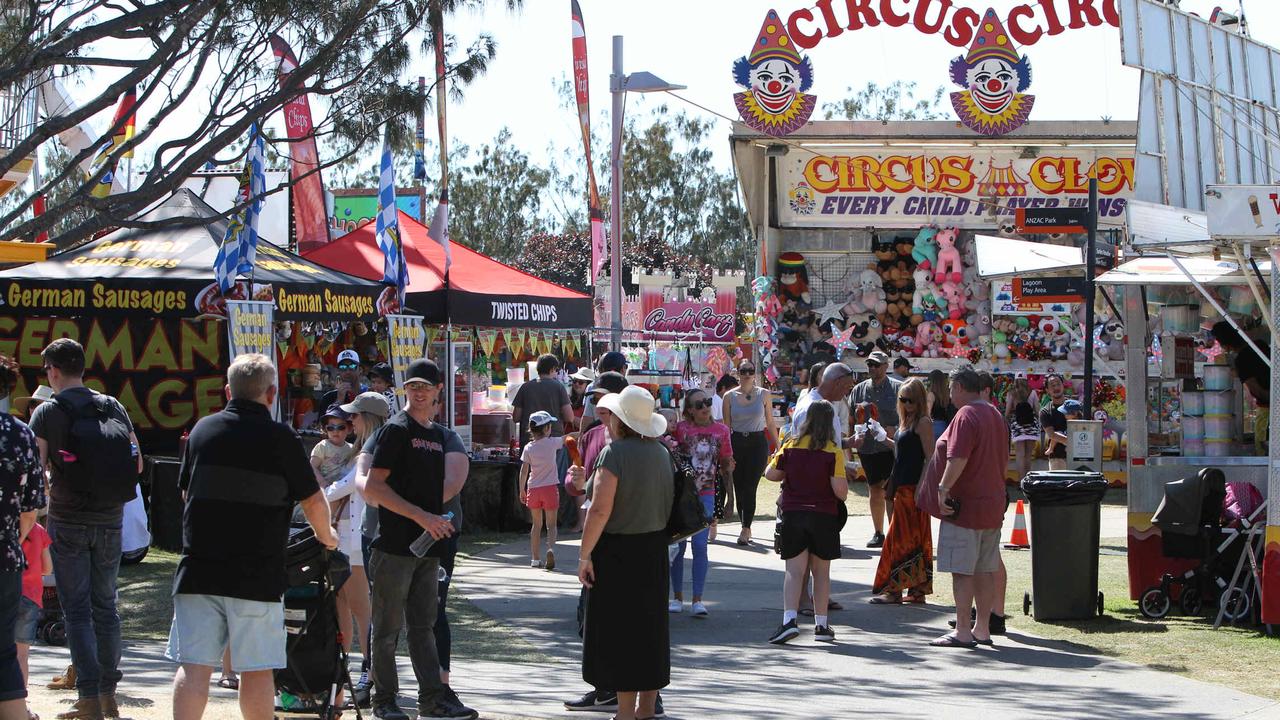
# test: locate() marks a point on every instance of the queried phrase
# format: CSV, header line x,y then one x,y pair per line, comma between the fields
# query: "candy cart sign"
x,y
981,189
691,318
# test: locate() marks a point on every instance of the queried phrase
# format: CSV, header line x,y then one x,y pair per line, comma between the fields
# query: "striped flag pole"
x,y
387,226
238,252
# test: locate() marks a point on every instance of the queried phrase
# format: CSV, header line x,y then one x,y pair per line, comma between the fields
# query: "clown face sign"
x,y
776,79
994,78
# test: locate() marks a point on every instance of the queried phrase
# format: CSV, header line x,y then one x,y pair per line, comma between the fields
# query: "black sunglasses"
x,y
874,364
334,428
907,400
746,371
701,404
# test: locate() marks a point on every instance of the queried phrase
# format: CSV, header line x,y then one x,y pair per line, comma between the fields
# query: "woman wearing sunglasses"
x,y
747,412
906,562
706,443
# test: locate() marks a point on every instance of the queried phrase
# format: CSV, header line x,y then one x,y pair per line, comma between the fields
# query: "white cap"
x,y
349,354
540,418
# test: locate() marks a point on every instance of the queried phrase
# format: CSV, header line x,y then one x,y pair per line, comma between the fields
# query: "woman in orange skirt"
x,y
906,561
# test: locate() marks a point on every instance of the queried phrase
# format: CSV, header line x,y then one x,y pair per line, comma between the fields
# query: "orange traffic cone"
x,y
1019,539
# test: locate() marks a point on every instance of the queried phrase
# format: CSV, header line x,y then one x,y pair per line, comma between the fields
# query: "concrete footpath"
x,y
881,665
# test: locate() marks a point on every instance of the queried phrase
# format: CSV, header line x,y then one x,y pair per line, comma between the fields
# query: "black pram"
x,y
312,683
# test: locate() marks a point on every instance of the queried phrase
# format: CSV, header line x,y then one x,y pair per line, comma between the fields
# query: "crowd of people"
x,y
382,478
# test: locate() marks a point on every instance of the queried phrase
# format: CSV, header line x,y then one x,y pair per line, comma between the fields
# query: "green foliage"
x,y
895,101
496,198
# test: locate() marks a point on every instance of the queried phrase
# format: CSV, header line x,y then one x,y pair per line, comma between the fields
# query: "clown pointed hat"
x,y
991,41
774,43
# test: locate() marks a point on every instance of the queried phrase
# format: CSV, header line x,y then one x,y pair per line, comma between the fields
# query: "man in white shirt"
x,y
837,381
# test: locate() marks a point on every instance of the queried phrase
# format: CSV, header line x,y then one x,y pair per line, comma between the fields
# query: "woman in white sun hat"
x,y
626,645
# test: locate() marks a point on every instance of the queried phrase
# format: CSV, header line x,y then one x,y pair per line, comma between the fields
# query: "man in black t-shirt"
x,y
241,474
417,466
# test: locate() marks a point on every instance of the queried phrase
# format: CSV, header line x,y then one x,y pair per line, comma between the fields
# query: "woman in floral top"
x,y
21,494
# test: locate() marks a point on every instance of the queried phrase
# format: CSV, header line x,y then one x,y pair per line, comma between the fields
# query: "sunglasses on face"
x,y
747,371
335,428
909,401
347,366
873,365
701,404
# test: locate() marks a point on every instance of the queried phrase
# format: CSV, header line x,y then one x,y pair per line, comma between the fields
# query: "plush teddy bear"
x,y
884,250
905,246
793,279
868,295
925,250
928,339
949,266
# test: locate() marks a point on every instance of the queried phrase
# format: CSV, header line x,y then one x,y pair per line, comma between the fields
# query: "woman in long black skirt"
x,y
626,641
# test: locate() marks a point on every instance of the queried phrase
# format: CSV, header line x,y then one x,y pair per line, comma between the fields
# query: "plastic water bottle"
x,y
423,544
287,701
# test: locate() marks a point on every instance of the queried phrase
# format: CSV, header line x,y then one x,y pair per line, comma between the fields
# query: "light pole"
x,y
619,85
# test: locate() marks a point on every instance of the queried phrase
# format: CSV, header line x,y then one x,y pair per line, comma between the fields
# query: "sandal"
x,y
229,683
915,598
808,612
833,605
988,642
951,641
886,599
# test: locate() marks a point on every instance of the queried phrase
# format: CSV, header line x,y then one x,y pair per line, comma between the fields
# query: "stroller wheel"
x,y
1192,602
1236,604
1154,603
55,633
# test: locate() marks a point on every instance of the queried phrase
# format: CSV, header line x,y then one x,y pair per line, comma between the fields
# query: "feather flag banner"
x,y
239,249
387,229
439,230
581,85
122,130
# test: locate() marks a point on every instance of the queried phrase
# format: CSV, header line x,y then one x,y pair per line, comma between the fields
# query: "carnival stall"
x,y
485,322
145,304
1186,408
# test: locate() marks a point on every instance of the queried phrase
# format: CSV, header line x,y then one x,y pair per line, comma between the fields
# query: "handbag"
x,y
688,515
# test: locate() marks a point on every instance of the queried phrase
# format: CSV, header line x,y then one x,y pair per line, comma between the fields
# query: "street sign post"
x,y
1049,290
1067,220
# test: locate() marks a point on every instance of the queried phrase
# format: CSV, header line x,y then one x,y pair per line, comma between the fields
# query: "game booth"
x,y
867,240
146,307
486,321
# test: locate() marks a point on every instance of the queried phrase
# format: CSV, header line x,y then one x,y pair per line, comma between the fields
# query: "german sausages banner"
x,y
166,373
250,328
169,273
408,340
914,186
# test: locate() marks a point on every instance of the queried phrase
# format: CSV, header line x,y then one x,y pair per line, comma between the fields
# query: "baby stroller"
x,y
312,683
1190,518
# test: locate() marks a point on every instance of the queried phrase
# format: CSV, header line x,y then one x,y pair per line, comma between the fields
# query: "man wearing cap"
x,y
579,391
418,465
902,369
837,381
876,456
1053,422
612,361
348,385
382,380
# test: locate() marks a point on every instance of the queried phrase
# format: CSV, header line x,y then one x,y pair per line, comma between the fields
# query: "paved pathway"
x,y
880,667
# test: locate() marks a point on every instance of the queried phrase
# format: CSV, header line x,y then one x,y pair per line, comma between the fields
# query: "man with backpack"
x,y
88,445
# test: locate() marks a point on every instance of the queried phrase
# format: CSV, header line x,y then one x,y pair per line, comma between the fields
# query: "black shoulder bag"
x,y
688,516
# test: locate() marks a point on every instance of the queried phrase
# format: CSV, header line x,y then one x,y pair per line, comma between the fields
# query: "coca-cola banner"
x,y
311,221
691,319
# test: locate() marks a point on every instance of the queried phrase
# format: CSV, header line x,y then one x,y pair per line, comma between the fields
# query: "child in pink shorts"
x,y
540,486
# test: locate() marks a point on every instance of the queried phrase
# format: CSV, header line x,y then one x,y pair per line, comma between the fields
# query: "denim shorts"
x,y
204,624
24,633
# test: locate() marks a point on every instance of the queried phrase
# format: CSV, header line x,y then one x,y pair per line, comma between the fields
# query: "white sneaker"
x,y
699,610
675,606
535,563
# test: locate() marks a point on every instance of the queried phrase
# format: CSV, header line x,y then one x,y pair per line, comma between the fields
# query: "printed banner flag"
x,y
581,87
515,341
56,102
408,339
310,214
488,338
251,329
395,272
439,230
239,249
420,137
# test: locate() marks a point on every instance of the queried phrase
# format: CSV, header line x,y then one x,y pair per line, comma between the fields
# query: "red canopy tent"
x,y
480,290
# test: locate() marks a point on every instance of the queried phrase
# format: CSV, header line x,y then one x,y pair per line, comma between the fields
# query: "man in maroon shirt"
x,y
968,464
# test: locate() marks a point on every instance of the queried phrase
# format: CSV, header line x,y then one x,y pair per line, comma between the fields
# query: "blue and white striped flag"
x,y
394,270
239,249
